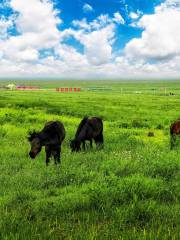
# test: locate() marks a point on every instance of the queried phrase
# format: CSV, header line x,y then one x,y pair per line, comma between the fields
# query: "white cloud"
x,y
118,18
97,43
98,49
134,15
96,37
4,25
161,36
155,53
37,27
38,18
173,4
70,55
101,21
83,24
28,54
87,8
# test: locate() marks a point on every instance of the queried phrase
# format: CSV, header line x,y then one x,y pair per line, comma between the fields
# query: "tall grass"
x,y
128,190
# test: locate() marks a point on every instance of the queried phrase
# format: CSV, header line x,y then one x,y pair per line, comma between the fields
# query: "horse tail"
x,y
82,123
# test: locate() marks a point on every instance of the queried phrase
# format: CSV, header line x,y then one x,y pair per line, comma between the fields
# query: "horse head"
x,y
35,142
75,145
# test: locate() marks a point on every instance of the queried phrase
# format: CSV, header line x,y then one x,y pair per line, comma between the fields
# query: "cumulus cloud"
x,y
5,24
83,24
155,54
97,43
101,21
40,19
87,8
96,37
37,27
118,18
69,54
29,54
173,4
135,15
161,36
98,49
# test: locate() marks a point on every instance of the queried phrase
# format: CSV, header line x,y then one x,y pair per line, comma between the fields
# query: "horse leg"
x,y
91,143
99,140
59,155
173,140
84,145
56,155
48,154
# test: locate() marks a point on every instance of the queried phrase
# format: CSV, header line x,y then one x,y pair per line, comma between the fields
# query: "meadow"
x,y
128,190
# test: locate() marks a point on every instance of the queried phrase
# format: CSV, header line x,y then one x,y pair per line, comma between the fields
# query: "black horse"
x,y
88,129
51,136
174,131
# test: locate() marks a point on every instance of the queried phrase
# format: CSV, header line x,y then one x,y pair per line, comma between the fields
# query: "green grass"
x,y
128,190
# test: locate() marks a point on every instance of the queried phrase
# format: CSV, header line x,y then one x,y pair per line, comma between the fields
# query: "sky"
x,y
90,39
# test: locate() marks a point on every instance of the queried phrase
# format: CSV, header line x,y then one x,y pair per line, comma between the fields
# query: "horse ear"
x,y
31,135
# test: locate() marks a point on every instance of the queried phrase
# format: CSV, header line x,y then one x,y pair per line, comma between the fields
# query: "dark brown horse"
x,y
51,136
174,131
88,129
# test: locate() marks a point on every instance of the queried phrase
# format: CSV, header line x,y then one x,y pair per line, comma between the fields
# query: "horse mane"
x,y
99,118
50,127
32,135
82,123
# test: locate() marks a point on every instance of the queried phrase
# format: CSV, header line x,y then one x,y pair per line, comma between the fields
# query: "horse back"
x,y
54,128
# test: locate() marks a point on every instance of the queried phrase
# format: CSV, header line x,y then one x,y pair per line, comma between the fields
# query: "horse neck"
x,y
42,136
81,135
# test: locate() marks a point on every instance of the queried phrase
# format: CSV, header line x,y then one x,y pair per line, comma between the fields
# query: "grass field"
x,y
128,190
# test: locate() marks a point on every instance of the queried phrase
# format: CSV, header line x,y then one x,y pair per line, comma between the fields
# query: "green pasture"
x,y
128,190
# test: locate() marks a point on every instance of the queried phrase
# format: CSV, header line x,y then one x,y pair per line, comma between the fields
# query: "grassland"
x,y
128,190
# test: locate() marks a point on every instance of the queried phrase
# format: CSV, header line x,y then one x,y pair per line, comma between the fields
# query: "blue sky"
x,y
73,9
90,39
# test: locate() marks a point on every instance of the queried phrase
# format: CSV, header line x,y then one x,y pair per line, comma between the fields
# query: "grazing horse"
x,y
88,129
174,131
51,136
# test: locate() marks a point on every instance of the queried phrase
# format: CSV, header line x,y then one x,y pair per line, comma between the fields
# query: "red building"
x,y
70,89
27,88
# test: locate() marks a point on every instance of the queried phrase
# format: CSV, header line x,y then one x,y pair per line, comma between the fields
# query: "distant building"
x,y
27,88
70,89
11,86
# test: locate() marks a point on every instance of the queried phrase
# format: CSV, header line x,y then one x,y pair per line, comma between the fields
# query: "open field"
x,y
128,190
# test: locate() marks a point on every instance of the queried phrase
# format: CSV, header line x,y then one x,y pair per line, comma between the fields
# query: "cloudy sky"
x,y
90,39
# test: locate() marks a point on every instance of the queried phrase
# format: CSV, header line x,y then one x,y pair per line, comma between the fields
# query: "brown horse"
x,y
88,129
51,136
174,131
